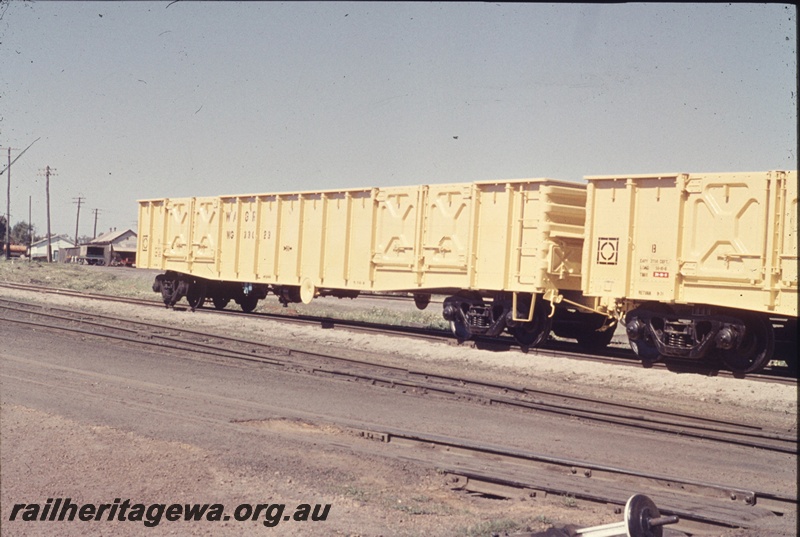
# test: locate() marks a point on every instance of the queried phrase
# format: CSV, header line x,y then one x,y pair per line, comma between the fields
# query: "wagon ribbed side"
x,y
699,262
501,247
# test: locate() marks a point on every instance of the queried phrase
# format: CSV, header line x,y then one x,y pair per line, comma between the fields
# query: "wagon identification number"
x,y
249,234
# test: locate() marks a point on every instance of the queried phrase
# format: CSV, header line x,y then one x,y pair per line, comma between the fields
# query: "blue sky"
x,y
137,100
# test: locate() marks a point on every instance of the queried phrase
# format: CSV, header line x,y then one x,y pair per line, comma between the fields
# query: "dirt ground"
x,y
49,451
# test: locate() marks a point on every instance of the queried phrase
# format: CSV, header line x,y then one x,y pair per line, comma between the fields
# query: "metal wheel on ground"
x,y
595,340
641,340
196,295
756,349
534,333
421,300
220,302
248,303
460,330
169,291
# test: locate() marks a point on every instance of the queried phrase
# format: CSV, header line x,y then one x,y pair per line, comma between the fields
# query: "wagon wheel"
x,y
196,295
756,348
535,332
645,348
421,300
460,329
169,291
220,302
646,351
248,303
594,340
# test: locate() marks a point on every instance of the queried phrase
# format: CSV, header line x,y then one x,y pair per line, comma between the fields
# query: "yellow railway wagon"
x,y
508,251
701,264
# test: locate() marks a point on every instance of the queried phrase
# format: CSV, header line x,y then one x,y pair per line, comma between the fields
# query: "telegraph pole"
x,y
94,233
78,200
30,231
48,172
8,197
8,208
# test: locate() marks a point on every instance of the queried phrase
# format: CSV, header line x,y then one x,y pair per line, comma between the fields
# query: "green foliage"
x,y
22,232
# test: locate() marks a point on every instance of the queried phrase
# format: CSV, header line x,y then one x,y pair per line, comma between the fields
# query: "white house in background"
x,y
38,250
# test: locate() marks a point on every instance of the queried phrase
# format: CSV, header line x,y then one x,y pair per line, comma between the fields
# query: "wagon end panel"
x,y
606,254
528,235
564,214
151,223
785,265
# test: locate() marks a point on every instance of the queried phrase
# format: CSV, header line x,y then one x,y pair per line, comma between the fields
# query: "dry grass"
x,y
137,283
116,281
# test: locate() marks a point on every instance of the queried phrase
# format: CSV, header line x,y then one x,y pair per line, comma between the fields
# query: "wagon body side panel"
x,y
740,247
204,232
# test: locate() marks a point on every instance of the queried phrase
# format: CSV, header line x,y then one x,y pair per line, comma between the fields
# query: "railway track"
x,y
364,369
555,348
481,468
702,507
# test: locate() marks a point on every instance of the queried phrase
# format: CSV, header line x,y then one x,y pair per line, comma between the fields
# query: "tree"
x,y
2,229
22,232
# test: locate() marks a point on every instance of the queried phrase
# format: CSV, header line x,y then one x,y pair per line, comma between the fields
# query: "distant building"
x,y
111,248
38,250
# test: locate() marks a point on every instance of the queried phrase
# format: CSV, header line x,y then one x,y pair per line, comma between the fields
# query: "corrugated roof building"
x,y
38,250
111,248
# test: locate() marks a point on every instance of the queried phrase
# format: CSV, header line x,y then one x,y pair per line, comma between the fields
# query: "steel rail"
x,y
742,504
613,356
498,471
472,389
